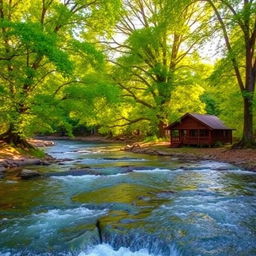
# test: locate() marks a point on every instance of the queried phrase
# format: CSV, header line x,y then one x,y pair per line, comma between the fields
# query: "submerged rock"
x,y
73,172
46,163
65,159
29,174
144,198
120,158
127,169
224,168
165,193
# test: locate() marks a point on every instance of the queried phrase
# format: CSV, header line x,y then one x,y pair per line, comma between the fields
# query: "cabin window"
x,y
220,133
184,132
204,133
175,133
226,133
193,133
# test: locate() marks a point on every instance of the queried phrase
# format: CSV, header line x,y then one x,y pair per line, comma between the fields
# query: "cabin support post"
x,y
210,138
198,138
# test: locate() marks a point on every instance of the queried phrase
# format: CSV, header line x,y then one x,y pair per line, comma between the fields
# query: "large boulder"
x,y
29,174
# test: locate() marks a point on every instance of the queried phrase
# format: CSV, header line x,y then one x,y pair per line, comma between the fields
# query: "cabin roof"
x,y
213,122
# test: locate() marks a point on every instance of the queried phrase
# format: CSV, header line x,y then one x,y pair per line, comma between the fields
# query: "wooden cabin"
x,y
197,129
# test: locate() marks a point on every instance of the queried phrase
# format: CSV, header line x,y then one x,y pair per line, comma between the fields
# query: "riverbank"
x,y
243,158
92,138
11,157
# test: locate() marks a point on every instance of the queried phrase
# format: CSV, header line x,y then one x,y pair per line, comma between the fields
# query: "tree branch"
x,y
228,45
129,122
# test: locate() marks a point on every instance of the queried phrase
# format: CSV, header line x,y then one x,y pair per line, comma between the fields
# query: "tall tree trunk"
x,y
161,129
248,138
248,122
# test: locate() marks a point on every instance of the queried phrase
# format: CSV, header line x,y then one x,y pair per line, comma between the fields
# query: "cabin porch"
x,y
199,137
191,137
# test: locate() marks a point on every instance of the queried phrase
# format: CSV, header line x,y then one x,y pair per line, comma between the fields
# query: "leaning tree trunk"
x,y
14,138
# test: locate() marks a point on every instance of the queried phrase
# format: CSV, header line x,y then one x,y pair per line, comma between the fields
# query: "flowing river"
x,y
143,206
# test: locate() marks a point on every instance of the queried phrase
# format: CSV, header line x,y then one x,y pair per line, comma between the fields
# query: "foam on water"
x,y
76,177
152,170
213,165
100,250
47,223
107,250
56,214
56,218
82,178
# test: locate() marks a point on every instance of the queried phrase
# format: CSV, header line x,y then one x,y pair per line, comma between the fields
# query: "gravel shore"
x,y
243,158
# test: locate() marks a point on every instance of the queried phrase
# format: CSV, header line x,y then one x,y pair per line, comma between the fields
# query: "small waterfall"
x,y
107,250
135,241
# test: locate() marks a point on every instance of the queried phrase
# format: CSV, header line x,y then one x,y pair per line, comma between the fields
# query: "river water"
x,y
145,206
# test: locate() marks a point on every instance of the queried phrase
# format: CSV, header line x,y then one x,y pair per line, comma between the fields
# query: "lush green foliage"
x,y
46,59
121,67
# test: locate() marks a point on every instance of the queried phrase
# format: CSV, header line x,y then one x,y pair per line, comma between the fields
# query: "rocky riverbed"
x,y
143,204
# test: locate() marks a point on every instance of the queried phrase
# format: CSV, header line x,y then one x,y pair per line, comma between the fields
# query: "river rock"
x,y
144,198
127,168
127,221
61,163
165,194
81,167
163,153
132,147
1,174
66,159
46,163
2,169
225,168
29,174
41,143
28,162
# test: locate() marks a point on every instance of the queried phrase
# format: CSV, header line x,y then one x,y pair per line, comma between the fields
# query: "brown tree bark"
x,y
13,138
247,140
246,85
161,129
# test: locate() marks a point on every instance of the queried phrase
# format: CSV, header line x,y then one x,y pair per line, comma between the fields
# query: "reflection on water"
x,y
146,205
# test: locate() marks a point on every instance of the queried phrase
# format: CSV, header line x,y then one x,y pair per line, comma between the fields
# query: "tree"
x,y
43,43
158,55
237,20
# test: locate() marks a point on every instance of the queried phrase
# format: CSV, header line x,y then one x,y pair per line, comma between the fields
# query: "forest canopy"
x,y
125,67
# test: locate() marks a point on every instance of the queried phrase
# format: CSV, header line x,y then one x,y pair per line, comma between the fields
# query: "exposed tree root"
x,y
244,144
15,139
